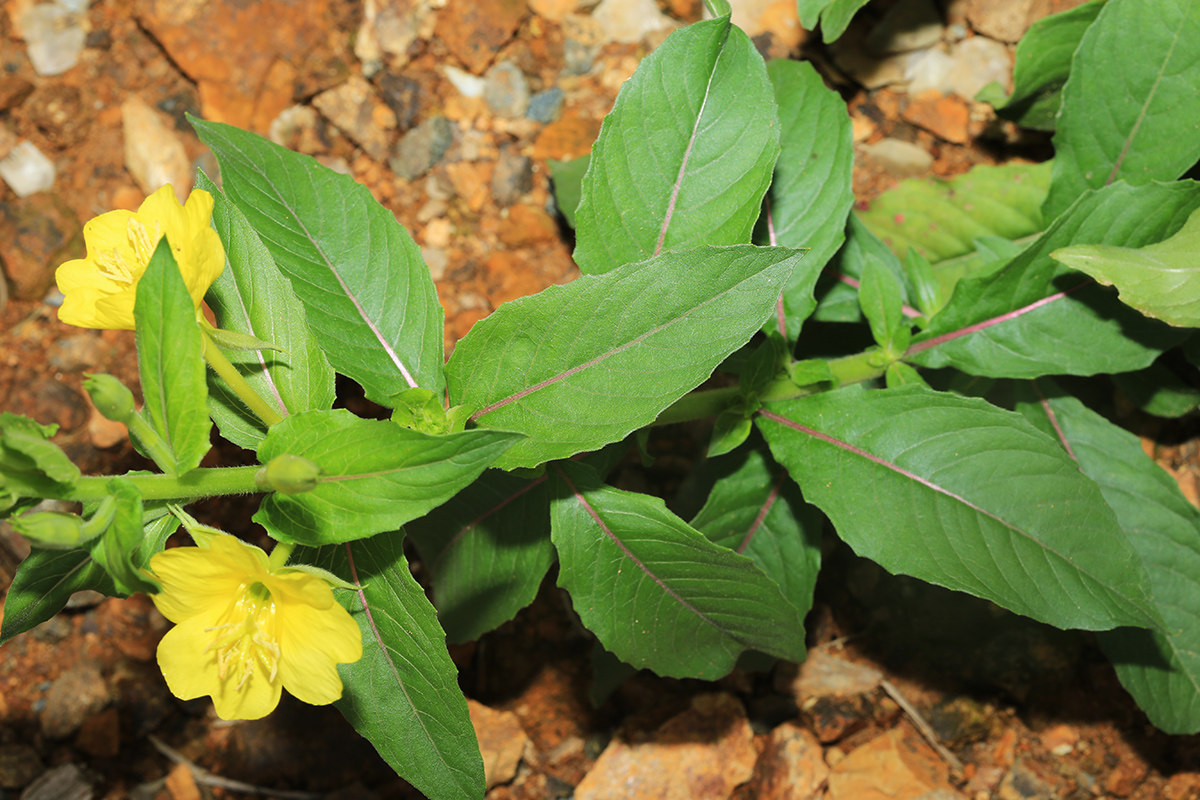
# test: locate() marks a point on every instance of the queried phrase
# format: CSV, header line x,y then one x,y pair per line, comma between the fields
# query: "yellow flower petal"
x,y
312,644
191,672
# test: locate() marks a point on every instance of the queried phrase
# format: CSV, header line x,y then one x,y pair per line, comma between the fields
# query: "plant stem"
x,y
158,450
196,483
245,392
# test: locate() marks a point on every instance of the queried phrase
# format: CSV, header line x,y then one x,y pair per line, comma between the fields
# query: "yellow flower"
x,y
244,630
100,289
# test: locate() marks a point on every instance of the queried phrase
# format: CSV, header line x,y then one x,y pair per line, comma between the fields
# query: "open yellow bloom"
x,y
243,631
100,289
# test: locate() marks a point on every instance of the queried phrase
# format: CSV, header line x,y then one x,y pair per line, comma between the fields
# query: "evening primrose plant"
x,y
926,378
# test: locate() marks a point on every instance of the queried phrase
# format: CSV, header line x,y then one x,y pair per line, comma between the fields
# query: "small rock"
x,y
961,721
181,783
979,61
1182,786
100,735
435,258
474,32
391,27
59,113
869,70
700,754
354,108
13,91
583,39
930,70
945,116
501,742
67,782
105,433
513,177
1127,776
52,630
154,153
468,85
403,96
1060,740
19,764
527,225
570,137
897,765
54,37
56,402
899,158
791,767
36,235
300,128
908,25
824,674
553,10
73,697
1021,783
26,170
75,353
1006,20
422,147
506,90
628,21
545,106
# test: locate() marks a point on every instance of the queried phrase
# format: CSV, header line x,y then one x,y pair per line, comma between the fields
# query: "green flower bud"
x,y
288,474
111,397
50,529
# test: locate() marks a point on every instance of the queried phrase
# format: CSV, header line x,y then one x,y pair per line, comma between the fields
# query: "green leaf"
x,y
1129,108
368,295
171,361
656,592
881,297
927,292
963,495
487,552
44,583
835,15
1161,280
403,693
685,156
1042,64
900,374
1034,317
25,446
575,367
376,475
1159,390
568,184
730,430
839,301
116,549
756,510
1161,669
810,194
252,297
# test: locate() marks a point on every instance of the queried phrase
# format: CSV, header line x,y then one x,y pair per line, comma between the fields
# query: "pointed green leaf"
x,y
368,295
171,361
1042,64
44,583
1129,108
25,446
252,297
376,475
1160,280
568,184
963,495
880,295
575,367
1160,669
487,552
685,156
403,693
1159,389
117,548
1034,317
756,510
835,15
656,592
840,283
810,194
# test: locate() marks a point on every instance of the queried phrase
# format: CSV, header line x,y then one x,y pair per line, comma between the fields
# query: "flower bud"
x,y
288,474
50,529
110,396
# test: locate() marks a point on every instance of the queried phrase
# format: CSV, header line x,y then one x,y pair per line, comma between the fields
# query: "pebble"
x,y
699,754
506,91
1060,739
27,170
356,110
181,783
52,630
105,433
73,697
67,782
19,764
629,21
475,31
899,158
867,69
513,177
299,128
54,36
979,61
553,10
75,353
1022,783
1006,20
468,85
13,91
60,114
824,674
402,95
908,25
154,153
583,38
930,70
897,765
390,27
791,767
422,148
100,734
501,742
435,258
945,116
545,106
36,235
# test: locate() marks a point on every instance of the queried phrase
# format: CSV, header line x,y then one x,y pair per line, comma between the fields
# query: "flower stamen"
x,y
249,636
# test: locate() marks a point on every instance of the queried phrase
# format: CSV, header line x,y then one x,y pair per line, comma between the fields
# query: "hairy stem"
x,y
245,392
196,483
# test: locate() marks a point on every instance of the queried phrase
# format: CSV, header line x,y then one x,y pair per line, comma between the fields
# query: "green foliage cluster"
x,y
713,220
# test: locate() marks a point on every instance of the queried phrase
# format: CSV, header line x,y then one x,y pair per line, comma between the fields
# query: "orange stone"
x,y
570,137
475,31
945,116
100,734
472,181
897,765
527,225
